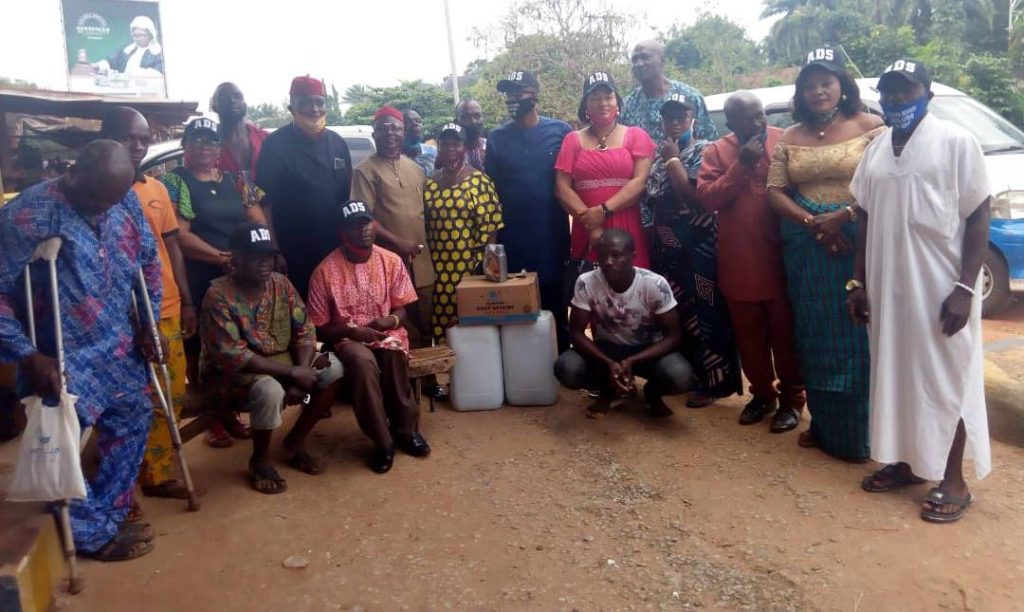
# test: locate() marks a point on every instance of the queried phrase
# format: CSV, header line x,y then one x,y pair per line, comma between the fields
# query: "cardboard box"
x,y
484,302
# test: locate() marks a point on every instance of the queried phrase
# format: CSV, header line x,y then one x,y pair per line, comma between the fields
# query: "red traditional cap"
x,y
388,111
307,86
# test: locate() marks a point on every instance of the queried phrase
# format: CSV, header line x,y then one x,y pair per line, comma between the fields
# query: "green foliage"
x,y
873,50
429,100
713,54
991,81
269,115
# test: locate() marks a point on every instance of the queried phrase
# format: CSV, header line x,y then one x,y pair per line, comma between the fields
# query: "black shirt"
x,y
305,181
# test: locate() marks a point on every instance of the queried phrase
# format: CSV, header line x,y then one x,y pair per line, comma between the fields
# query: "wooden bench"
x,y
425,362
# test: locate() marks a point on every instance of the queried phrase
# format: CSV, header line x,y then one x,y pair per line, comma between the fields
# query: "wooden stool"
x,y
427,361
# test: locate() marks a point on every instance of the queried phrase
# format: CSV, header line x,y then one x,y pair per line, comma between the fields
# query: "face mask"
x,y
902,117
605,122
521,108
356,252
310,126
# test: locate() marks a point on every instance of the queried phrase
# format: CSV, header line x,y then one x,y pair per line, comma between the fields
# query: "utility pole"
x,y
451,53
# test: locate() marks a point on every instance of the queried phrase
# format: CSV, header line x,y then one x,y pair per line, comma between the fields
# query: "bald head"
x,y
228,102
100,178
744,115
128,127
648,63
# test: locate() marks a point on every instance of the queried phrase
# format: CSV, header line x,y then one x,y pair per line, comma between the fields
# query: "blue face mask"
x,y
902,117
685,138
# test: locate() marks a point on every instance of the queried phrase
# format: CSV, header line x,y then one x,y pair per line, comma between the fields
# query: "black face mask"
x,y
521,108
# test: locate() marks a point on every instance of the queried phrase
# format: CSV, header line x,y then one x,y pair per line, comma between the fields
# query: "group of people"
x,y
282,275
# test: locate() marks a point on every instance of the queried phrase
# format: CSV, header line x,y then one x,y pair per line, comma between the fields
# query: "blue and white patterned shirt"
x,y
639,110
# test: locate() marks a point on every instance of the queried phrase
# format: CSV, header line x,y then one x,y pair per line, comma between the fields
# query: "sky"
x,y
262,44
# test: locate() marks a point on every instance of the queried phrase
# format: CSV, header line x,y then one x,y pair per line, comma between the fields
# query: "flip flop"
x,y
218,437
937,498
890,477
119,549
306,463
264,474
136,531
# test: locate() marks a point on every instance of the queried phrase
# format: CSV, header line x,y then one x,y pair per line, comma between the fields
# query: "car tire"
x,y
995,284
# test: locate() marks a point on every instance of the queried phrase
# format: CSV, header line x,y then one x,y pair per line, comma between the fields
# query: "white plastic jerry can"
x,y
528,354
476,378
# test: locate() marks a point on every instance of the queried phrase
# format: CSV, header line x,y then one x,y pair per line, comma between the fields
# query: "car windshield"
x,y
995,134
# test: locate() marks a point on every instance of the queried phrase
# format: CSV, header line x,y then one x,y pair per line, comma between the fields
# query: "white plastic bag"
x,y
49,467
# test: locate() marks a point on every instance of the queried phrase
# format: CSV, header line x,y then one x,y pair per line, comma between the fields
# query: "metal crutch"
x,y
165,397
47,251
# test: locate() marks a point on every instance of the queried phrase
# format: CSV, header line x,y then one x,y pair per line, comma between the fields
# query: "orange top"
x,y
156,206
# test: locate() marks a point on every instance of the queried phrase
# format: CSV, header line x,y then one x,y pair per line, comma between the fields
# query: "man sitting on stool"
x,y
260,347
357,300
632,314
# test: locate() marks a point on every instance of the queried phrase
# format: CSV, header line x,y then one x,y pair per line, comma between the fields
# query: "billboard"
x,y
114,47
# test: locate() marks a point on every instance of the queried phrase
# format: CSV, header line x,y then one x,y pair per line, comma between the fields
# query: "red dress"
x,y
598,175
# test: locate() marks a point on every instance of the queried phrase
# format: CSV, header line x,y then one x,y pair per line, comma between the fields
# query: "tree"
x,y
269,115
806,24
713,54
561,41
429,100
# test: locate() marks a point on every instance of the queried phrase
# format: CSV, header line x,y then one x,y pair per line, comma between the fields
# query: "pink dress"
x,y
598,175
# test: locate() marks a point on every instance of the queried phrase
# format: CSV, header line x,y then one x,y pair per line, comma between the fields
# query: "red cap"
x,y
388,111
307,86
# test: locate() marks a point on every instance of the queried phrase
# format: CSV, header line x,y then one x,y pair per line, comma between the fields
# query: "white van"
x,y
1003,145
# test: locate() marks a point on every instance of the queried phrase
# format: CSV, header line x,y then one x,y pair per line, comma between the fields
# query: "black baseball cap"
x,y
452,128
252,238
677,99
352,212
598,79
201,124
825,57
518,78
911,69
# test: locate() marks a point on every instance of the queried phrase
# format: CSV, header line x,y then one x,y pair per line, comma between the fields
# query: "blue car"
x,y
1003,144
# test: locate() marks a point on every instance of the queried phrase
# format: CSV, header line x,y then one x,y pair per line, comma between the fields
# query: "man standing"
x,y
920,243
521,162
306,171
642,107
391,186
177,314
105,241
423,154
632,315
241,140
259,349
470,116
357,300
732,182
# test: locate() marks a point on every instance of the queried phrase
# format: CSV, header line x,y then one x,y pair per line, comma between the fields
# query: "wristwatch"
x,y
853,284
607,211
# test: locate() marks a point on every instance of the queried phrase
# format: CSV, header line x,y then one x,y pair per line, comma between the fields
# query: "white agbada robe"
x,y
922,382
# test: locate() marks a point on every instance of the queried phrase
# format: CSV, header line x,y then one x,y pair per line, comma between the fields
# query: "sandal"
x,y
306,463
120,549
889,478
142,532
937,498
807,439
266,480
170,489
238,429
598,409
218,437
437,392
699,400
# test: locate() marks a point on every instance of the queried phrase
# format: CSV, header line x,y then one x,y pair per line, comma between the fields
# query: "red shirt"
x,y
228,163
749,247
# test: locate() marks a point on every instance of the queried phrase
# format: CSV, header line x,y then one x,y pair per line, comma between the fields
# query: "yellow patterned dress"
x,y
460,221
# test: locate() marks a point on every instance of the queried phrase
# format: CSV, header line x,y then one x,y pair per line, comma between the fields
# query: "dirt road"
x,y
540,508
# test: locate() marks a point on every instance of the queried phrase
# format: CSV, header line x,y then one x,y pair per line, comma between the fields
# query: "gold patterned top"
x,y
820,173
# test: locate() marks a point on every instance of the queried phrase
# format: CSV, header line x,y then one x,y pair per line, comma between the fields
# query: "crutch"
x,y
162,395
47,251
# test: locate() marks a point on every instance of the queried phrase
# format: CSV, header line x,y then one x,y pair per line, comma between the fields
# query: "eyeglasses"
x,y
388,129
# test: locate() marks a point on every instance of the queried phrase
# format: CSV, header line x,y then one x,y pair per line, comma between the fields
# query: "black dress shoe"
x,y
437,392
381,459
785,420
415,445
755,411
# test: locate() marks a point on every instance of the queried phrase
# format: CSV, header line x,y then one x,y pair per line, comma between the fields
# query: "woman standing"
x,y
808,185
209,208
601,172
683,249
463,215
